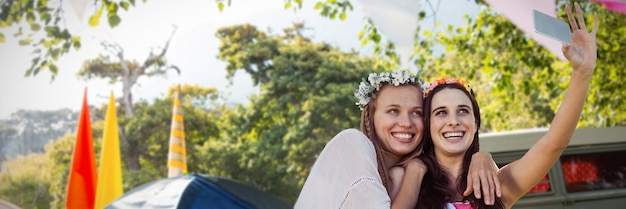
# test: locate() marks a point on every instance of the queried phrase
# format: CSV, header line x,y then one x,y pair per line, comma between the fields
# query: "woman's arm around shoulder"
x,y
482,178
407,180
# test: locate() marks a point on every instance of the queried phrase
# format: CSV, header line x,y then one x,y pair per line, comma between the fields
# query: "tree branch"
x,y
114,49
107,74
162,69
154,58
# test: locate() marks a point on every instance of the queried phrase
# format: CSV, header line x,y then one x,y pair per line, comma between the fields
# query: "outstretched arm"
x,y
520,176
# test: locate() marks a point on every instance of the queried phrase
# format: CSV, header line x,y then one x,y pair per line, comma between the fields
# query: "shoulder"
x,y
349,147
345,175
351,139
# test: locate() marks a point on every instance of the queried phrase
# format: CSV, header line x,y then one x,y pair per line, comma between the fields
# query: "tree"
x,y
519,83
151,126
306,98
127,72
55,39
25,180
6,136
29,130
39,180
59,153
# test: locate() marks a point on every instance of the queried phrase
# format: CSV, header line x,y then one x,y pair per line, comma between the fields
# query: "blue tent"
x,y
197,191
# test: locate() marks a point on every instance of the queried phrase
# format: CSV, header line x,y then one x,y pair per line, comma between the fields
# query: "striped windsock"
x,y
176,159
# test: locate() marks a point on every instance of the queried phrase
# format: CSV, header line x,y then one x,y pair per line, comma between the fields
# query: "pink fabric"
x,y
614,5
520,13
462,205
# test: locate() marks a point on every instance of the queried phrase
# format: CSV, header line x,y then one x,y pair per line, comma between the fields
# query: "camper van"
x,y
591,172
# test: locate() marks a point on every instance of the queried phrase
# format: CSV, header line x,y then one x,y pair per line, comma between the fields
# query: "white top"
x,y
345,175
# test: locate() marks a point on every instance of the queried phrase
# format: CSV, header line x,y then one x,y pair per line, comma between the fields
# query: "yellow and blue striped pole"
x,y
176,159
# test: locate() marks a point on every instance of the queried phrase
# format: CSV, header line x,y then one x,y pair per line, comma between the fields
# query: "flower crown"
x,y
428,87
368,88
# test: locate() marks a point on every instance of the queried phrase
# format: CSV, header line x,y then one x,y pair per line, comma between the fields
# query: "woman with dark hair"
x,y
452,121
353,169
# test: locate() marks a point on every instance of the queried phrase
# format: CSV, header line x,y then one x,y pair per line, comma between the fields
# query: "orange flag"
x,y
81,184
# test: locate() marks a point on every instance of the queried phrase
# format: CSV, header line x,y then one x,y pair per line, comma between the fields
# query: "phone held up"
x,y
552,27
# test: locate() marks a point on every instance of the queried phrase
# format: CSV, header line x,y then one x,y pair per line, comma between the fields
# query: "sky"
x,y
193,48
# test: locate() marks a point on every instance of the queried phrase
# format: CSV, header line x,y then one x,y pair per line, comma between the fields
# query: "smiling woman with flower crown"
x,y
353,170
452,120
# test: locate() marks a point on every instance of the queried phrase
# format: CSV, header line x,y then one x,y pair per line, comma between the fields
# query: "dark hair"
x,y
436,189
367,127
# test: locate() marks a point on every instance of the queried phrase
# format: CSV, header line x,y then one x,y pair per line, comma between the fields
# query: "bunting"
x,y
176,159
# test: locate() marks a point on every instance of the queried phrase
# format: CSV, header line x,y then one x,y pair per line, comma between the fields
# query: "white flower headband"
x,y
368,88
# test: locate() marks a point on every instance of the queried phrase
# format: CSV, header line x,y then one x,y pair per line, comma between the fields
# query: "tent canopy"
x,y
197,191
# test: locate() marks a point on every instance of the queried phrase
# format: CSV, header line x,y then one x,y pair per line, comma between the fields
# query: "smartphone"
x,y
551,27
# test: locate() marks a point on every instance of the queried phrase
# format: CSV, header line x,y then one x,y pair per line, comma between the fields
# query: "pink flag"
x,y
614,5
520,13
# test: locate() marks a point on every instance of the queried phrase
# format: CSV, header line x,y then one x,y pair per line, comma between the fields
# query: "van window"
x,y
541,187
594,171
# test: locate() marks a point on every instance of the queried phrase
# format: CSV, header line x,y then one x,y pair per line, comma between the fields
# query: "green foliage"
x,y
148,132
111,69
59,153
38,180
289,4
24,183
55,40
7,134
604,107
30,130
221,5
476,52
333,8
520,84
306,98
103,67
327,8
384,50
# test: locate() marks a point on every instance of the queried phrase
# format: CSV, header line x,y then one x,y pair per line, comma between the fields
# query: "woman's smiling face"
x,y
452,122
398,118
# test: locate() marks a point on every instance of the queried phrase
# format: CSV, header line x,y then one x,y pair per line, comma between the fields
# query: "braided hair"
x,y
367,127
